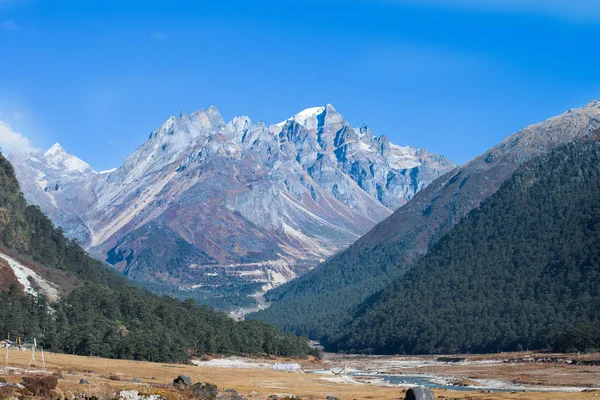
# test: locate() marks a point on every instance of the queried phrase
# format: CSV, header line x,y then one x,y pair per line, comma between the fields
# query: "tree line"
x,y
106,316
520,272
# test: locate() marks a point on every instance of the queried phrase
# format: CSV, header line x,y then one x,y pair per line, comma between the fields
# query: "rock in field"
x,y
182,382
205,391
419,393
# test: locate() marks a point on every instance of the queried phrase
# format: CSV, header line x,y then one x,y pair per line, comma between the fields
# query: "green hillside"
x,y
520,272
106,316
325,299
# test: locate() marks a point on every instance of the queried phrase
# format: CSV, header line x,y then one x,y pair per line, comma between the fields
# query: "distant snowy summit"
x,y
205,203
58,158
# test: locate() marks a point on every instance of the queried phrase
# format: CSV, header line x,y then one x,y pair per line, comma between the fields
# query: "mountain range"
x,y
54,294
219,211
325,300
496,255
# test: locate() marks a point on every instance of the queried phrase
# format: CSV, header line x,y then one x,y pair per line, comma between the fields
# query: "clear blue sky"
x,y
452,76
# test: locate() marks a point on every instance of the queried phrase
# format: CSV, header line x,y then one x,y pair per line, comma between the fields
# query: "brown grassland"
x,y
252,383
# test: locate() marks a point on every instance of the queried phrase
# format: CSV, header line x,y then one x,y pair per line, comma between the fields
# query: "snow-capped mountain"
x,y
62,185
395,244
207,204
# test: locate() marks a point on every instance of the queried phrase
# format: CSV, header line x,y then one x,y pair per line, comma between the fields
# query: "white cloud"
x,y
9,25
582,10
13,142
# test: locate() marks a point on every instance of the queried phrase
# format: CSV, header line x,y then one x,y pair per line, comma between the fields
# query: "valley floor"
x,y
256,379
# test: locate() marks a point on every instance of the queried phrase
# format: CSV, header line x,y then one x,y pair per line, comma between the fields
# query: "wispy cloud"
x,y
160,37
9,25
582,10
13,142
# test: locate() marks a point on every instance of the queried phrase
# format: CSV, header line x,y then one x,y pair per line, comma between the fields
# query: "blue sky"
x,y
454,76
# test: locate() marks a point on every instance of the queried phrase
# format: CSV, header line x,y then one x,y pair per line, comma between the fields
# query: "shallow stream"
x,y
417,380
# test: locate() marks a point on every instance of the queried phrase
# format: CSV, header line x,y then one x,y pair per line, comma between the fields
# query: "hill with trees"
x,y
520,272
104,315
325,299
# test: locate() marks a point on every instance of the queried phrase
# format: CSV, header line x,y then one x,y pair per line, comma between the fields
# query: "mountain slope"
x,y
325,299
244,206
62,185
514,274
99,313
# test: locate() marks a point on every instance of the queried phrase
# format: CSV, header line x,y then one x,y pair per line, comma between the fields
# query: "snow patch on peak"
x,y
57,157
405,149
55,149
303,116
240,123
108,171
403,157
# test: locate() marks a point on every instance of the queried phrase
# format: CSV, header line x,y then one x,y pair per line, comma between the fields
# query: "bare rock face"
x,y
204,204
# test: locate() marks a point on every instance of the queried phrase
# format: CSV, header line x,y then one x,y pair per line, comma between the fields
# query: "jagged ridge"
x,y
240,200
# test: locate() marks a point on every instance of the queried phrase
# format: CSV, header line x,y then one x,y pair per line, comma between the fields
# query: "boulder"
x,y
182,382
419,393
205,391
136,380
332,398
83,382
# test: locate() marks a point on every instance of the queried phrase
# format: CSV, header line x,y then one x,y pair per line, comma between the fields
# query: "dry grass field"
x,y
251,382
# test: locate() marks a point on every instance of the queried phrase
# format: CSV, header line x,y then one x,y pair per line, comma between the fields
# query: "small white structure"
x,y
292,367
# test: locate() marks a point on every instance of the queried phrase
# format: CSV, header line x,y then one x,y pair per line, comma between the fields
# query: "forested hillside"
x,y
520,272
106,316
325,299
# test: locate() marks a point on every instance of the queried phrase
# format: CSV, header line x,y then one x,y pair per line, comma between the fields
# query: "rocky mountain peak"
x,y
307,118
268,201
55,149
57,157
239,124
209,118
332,116
192,125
